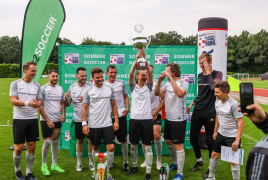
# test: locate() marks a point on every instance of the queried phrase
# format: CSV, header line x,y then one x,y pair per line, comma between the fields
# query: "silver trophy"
x,y
140,42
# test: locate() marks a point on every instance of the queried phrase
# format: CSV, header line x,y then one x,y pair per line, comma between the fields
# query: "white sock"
x,y
30,162
134,155
90,158
172,152
45,151
158,149
124,148
55,151
236,172
110,157
79,158
148,159
17,160
93,157
180,161
199,159
213,163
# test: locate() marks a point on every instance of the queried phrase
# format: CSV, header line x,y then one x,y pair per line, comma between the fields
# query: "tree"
x,y
10,49
90,41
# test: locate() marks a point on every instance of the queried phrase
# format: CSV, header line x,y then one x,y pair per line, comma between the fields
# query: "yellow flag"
x,y
234,84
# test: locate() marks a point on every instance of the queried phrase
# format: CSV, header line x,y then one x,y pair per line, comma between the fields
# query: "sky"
x,y
114,21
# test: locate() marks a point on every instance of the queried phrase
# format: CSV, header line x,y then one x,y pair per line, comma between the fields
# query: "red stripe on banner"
x,y
212,29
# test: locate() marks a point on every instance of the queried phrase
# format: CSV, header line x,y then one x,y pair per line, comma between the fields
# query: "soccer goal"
x,y
241,76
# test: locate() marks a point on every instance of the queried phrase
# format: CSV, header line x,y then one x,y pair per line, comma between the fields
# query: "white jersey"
x,y
175,106
155,100
141,102
51,98
25,92
75,92
227,114
120,90
99,102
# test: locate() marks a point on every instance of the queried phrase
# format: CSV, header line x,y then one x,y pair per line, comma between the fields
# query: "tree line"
x,y
247,53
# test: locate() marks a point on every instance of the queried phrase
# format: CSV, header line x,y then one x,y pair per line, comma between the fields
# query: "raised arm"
x,y
158,90
131,73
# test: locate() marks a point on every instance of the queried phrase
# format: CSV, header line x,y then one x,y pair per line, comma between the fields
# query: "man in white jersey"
x,y
175,125
75,96
25,96
121,96
140,124
51,119
97,103
228,128
157,104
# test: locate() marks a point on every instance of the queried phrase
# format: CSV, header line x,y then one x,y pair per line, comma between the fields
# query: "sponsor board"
x,y
190,78
189,117
67,135
117,59
71,58
162,59
207,39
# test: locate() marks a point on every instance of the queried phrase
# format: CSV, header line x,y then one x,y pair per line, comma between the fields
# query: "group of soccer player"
x,y
100,111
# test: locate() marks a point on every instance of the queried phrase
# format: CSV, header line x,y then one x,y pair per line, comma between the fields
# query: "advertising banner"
x,y
73,56
42,23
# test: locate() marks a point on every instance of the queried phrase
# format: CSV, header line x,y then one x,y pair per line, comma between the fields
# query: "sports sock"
x,y
30,162
79,158
236,172
143,149
55,151
110,157
124,148
199,159
180,161
93,157
134,155
45,151
17,160
213,163
158,149
148,159
172,152
90,158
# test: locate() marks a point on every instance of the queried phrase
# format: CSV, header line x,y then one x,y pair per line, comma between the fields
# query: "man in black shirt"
x,y
204,111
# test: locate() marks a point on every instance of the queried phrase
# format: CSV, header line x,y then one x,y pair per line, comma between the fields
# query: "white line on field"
x,y
3,93
249,137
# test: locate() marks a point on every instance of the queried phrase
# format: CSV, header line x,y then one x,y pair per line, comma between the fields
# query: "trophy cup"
x,y
140,42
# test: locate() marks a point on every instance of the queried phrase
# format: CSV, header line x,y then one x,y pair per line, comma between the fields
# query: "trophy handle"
x,y
131,41
149,37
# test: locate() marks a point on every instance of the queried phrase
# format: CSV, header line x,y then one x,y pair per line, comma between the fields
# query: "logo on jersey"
x,y
190,78
162,59
67,135
117,58
71,58
207,39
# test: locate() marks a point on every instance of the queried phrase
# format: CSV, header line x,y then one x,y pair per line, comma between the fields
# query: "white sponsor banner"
x,y
214,42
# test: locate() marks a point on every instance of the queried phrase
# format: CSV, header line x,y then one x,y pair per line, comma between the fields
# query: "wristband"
x,y
84,123
26,103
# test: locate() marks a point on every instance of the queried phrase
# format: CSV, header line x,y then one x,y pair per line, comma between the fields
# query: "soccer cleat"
x,y
196,166
158,165
112,165
148,177
133,170
45,170
173,167
30,176
57,168
91,167
125,167
19,175
210,178
109,176
178,177
79,168
143,164
206,174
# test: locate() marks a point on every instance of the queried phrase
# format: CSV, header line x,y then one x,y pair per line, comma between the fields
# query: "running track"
x,y
260,92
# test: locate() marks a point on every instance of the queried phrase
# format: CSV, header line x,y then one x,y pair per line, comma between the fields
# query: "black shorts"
x,y
25,129
97,134
223,141
46,131
79,131
175,131
158,120
141,129
121,133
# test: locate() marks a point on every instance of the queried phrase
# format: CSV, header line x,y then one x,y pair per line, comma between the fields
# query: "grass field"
x,y
260,84
250,136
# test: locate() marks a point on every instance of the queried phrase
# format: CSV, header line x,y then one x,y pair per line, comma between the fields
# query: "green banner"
x,y
42,23
74,56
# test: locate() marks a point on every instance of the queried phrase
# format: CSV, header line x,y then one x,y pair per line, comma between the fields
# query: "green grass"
x,y
260,84
251,135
